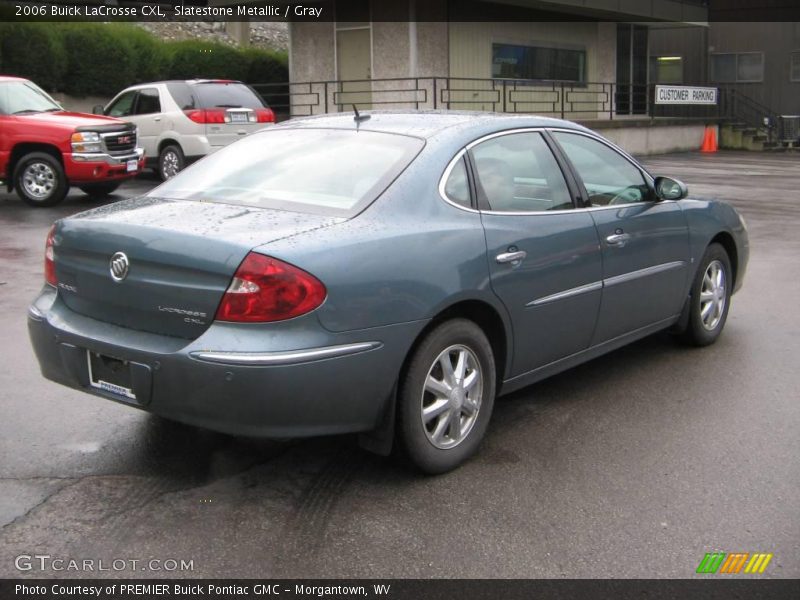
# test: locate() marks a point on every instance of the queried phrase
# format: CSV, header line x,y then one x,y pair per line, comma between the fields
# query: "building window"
x,y
737,67
666,69
794,73
535,62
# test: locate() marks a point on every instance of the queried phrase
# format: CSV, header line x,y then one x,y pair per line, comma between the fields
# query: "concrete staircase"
x,y
740,136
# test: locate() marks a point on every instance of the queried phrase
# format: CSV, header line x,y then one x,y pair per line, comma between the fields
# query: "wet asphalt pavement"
x,y
632,465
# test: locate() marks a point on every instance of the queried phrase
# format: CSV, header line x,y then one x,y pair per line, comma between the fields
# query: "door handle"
x,y
156,118
618,239
511,257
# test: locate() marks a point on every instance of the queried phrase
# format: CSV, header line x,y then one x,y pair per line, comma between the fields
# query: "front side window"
x,y
609,177
322,171
518,173
123,106
510,61
148,102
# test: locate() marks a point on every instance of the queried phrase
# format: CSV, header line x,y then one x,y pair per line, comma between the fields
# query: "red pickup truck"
x,y
44,149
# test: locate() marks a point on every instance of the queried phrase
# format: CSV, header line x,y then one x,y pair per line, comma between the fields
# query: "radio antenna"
x,y
358,118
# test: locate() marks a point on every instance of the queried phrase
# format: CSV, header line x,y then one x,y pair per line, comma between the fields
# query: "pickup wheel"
x,y
39,179
100,190
170,161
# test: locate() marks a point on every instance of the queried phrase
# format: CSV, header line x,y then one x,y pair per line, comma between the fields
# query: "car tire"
x,y
710,298
434,437
40,180
100,190
171,161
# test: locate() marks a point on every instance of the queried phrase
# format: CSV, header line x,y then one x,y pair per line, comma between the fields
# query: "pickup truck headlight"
x,y
86,141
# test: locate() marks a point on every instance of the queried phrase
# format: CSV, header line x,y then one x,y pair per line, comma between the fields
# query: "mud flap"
x,y
381,439
683,321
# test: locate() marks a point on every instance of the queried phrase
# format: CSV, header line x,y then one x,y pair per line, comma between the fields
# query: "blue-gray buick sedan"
x,y
388,274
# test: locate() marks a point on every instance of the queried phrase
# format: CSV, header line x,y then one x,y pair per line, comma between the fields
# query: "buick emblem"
x,y
118,266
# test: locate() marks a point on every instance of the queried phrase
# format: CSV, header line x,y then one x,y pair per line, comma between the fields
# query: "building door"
x,y
354,62
631,93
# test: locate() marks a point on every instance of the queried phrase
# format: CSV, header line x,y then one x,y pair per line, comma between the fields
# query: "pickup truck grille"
x,y
118,143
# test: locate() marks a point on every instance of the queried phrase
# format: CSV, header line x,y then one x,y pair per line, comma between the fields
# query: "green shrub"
x,y
192,59
33,51
98,62
83,59
266,66
149,57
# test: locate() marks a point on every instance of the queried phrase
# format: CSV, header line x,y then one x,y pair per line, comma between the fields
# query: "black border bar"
x,y
714,588
391,10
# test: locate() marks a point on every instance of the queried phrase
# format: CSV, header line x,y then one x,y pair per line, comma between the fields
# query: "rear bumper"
x,y
99,167
336,386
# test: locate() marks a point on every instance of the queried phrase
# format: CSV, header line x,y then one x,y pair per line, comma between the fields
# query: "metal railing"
x,y
563,99
751,113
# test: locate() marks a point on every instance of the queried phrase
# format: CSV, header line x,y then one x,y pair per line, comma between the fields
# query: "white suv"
x,y
181,121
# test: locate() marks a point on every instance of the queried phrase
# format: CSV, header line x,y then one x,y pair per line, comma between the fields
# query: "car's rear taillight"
x,y
49,258
265,115
206,115
267,289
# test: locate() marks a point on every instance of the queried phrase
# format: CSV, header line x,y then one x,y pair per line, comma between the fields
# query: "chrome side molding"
x,y
288,357
596,285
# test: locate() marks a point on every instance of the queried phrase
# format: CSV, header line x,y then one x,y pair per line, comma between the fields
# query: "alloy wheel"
x,y
713,295
451,397
170,164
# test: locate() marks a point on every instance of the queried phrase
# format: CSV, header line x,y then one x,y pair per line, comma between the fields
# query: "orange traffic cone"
x,y
709,140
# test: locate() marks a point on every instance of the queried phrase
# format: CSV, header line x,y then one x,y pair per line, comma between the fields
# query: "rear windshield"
x,y
213,95
323,171
226,95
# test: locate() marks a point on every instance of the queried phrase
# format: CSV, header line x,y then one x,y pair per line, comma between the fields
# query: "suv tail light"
x,y
49,258
265,115
206,115
267,289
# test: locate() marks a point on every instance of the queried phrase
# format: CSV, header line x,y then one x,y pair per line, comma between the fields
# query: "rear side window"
x,y
518,173
322,171
148,102
182,94
457,186
226,95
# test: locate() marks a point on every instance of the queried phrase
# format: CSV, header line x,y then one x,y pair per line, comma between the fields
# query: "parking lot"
x,y
633,465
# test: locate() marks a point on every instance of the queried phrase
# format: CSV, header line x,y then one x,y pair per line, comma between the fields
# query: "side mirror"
x,y
97,109
670,189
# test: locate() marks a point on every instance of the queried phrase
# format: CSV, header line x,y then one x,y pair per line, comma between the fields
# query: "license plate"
x,y
132,165
110,374
238,117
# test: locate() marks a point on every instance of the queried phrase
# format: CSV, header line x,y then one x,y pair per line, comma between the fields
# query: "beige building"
x,y
416,54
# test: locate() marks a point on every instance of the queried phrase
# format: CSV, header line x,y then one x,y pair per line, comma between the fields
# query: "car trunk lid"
x,y
180,258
